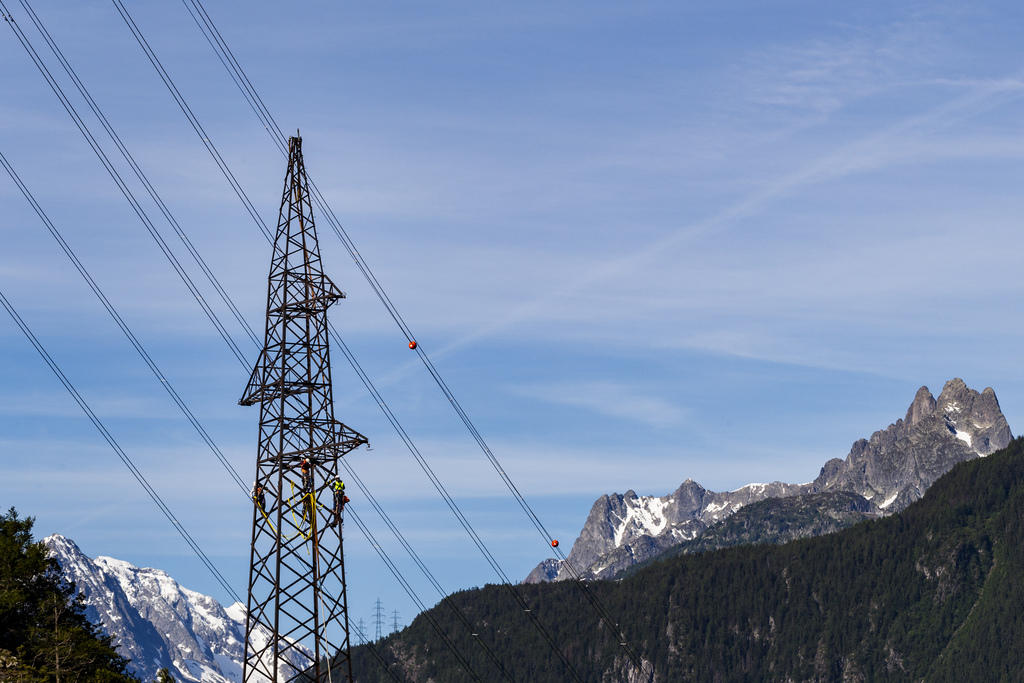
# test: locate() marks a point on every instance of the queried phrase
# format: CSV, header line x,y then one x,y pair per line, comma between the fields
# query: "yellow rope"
x,y
255,500
291,508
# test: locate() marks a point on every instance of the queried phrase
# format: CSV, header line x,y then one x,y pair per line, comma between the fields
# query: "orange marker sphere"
x,y
412,344
554,543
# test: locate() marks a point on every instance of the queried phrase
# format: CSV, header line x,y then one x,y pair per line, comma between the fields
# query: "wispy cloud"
x,y
60,405
609,399
824,74
884,148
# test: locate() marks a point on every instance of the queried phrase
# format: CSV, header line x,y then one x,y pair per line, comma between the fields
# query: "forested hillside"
x,y
935,592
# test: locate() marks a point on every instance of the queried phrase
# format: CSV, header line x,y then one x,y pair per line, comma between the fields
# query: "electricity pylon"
x,y
297,607
379,620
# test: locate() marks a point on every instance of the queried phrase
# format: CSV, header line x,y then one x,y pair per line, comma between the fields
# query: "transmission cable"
x,y
380,659
130,464
256,103
453,506
200,131
152,229
121,185
445,598
136,168
232,472
412,594
193,121
69,69
84,129
120,322
109,438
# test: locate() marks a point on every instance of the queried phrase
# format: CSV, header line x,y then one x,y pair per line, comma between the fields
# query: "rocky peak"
x,y
922,406
894,467
545,571
973,417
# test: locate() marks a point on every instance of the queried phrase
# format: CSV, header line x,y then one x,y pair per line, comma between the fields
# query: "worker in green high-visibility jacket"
x,y
339,499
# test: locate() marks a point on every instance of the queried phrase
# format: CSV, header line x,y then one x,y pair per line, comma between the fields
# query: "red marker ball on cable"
x,y
412,344
554,543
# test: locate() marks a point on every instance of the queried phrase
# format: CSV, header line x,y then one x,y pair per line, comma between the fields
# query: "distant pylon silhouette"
x,y
378,617
297,606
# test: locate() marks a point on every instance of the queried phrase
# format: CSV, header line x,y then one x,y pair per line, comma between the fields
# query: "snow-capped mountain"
x,y
156,621
889,471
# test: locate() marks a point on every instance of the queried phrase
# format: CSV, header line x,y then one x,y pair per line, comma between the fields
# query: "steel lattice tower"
x,y
297,607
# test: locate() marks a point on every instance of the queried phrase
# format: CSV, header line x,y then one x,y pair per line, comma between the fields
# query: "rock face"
x,y
886,472
894,467
545,571
155,621
623,529
772,520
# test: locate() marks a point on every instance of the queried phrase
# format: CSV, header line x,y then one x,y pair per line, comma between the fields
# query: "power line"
x,y
130,464
256,103
146,183
120,322
239,191
23,39
359,628
109,438
459,614
84,129
136,168
183,406
467,526
121,185
412,595
194,121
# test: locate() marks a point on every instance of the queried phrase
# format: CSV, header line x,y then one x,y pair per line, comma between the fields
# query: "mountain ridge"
x,y
890,469
157,622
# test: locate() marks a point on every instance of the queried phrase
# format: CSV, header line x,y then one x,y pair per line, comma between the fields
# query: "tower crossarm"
x,y
352,441
307,307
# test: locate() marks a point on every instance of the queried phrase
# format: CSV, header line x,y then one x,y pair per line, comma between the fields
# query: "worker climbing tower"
x,y
297,607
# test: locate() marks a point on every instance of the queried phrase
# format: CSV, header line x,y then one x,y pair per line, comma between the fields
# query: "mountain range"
x,y
159,623
930,593
880,476
156,622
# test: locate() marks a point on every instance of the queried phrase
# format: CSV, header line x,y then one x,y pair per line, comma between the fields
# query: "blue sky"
x,y
643,243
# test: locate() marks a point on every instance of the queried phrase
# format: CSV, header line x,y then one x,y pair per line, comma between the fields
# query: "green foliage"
x,y
44,635
164,676
935,593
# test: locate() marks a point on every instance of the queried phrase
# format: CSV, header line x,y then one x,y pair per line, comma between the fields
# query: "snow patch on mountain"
x,y
645,515
889,501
